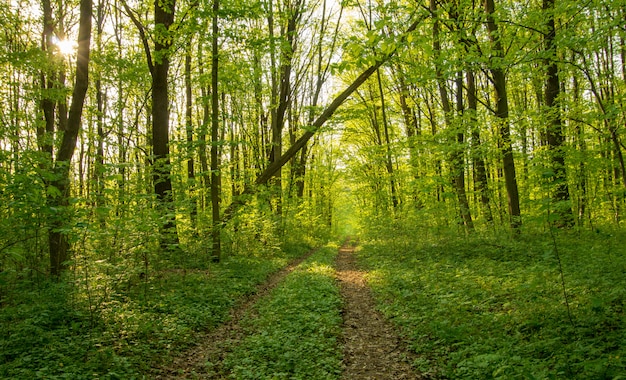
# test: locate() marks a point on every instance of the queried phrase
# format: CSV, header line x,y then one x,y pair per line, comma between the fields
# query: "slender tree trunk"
x,y
202,133
283,101
120,107
57,239
581,145
45,135
410,122
456,157
502,113
387,143
274,140
99,162
216,230
320,78
235,171
481,184
191,173
554,130
458,161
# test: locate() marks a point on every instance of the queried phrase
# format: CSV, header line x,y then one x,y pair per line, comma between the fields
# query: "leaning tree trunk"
x,y
57,238
279,162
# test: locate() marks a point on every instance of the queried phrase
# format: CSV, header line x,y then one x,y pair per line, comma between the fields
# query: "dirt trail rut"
x,y
372,349
204,361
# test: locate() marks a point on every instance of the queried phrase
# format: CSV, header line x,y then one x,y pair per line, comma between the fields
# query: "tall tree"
x,y
216,252
387,143
480,172
554,131
454,127
281,84
159,64
191,172
57,237
498,78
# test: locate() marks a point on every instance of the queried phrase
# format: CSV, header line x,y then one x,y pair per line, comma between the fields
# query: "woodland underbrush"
x,y
548,304
123,307
293,333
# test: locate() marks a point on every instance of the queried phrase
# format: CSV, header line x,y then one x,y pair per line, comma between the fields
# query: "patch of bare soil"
x,y
372,348
204,361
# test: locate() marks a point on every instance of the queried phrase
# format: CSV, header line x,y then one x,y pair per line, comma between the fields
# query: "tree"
x,y
216,252
498,79
554,130
279,162
455,128
158,60
59,187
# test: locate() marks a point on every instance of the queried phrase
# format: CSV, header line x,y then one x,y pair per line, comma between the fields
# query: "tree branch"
x,y
275,166
142,34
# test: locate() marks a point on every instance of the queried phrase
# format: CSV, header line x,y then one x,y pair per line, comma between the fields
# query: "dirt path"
x,y
372,349
204,361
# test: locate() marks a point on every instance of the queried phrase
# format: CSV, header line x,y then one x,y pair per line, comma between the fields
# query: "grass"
x,y
486,307
295,331
49,330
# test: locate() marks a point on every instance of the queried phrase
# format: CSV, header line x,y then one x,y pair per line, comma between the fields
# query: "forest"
x,y
184,185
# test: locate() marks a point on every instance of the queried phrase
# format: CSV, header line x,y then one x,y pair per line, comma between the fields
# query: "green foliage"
x,y
113,323
487,307
295,333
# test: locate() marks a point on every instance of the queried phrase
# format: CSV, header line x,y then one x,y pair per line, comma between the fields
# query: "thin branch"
x,y
142,34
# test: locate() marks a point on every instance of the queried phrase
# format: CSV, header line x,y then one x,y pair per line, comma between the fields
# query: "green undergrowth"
x,y
295,331
56,331
489,307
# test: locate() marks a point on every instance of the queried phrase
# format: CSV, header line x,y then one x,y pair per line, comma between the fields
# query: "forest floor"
x,y
204,361
372,349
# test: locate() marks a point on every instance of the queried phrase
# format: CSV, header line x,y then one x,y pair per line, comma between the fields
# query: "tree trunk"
x,y
216,230
320,77
480,172
163,20
99,160
45,135
502,113
554,130
458,161
411,126
202,134
191,173
387,143
456,157
57,238
283,101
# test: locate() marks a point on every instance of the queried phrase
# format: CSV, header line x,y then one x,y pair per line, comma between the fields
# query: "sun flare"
x,y
66,47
